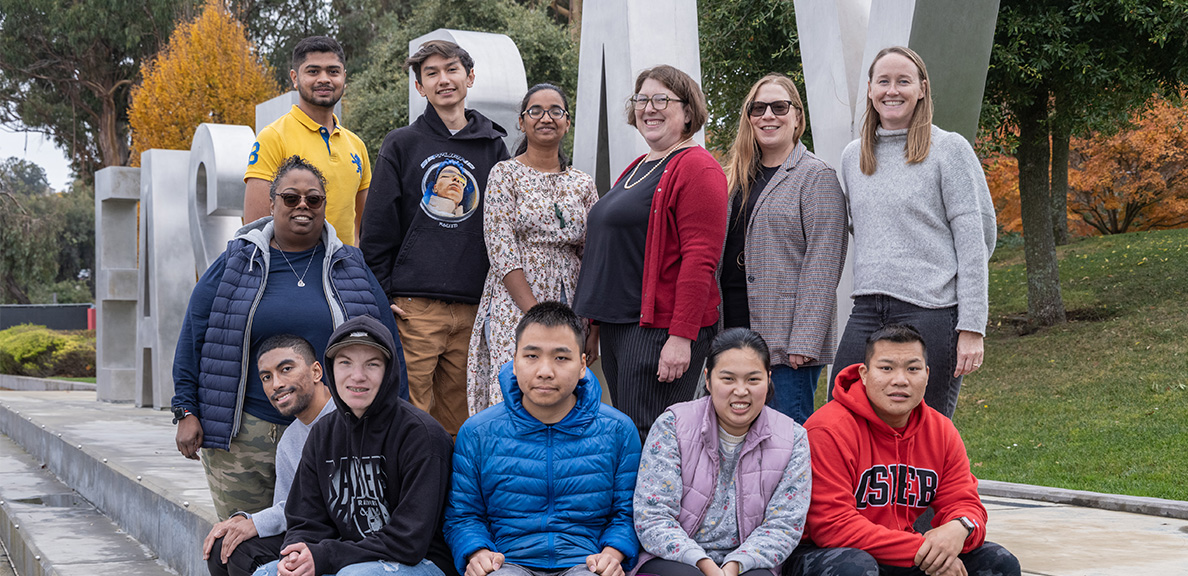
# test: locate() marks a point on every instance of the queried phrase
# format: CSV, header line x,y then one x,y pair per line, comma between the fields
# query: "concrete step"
x,y
124,461
49,529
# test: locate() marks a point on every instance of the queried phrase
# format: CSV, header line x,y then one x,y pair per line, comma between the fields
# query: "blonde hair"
x,y
742,163
919,138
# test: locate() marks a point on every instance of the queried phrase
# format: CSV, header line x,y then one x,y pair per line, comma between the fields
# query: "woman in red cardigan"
x,y
652,244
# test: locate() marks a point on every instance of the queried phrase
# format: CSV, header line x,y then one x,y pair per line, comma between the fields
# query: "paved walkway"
x,y
1049,539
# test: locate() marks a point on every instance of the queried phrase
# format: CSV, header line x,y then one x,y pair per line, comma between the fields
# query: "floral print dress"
x,y
534,221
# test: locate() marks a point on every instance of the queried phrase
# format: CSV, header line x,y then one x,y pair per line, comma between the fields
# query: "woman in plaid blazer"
x,y
786,242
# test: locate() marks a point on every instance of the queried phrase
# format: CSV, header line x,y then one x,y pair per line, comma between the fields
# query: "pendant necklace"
x,y
627,185
301,278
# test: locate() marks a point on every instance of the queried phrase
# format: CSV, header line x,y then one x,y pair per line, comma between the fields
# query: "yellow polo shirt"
x,y
340,155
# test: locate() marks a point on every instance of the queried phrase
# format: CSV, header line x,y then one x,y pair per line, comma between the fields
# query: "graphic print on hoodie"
x,y
357,492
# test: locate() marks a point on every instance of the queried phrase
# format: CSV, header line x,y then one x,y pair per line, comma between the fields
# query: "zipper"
x,y
245,350
549,482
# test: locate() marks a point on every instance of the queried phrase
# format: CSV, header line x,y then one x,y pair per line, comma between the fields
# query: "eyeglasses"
x,y
779,107
292,200
659,101
538,112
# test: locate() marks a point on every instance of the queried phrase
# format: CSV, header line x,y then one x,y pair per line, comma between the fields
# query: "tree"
x,y
1136,179
66,68
209,72
377,98
741,41
1063,66
27,230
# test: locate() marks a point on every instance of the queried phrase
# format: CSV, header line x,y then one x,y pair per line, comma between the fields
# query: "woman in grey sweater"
x,y
924,228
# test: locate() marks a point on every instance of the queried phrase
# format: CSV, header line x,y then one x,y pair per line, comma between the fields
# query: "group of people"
x,y
465,432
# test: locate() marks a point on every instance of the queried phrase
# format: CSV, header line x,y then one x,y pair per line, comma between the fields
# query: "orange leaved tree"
x,y
1135,179
209,72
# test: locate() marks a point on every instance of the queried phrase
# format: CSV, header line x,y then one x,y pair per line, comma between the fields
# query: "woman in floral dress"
x,y
534,223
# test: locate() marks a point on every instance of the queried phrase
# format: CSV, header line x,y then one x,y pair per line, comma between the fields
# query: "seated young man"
x,y
880,458
370,490
292,379
543,481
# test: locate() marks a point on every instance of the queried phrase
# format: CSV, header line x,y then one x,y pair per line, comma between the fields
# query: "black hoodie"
x,y
413,242
372,488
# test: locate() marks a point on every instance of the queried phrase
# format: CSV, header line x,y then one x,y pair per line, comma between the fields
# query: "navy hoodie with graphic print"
x,y
375,487
423,226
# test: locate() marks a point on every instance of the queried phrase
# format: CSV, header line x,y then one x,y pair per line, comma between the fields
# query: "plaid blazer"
x,y
795,251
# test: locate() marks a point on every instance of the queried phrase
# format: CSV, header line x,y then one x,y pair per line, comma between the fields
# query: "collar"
x,y
308,122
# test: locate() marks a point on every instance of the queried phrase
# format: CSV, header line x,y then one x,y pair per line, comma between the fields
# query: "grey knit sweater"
x,y
924,232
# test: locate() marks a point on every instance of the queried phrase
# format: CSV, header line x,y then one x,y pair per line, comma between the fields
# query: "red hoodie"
x,y
871,482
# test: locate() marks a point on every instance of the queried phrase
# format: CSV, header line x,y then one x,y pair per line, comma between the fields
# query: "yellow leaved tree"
x,y
209,72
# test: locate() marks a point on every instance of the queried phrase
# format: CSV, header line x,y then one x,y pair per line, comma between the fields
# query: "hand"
x,y
674,358
708,567
969,352
233,531
798,360
940,549
296,560
398,311
592,345
483,562
609,562
189,436
731,568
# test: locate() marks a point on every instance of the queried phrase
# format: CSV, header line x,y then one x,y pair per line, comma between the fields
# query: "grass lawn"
x,y
1100,403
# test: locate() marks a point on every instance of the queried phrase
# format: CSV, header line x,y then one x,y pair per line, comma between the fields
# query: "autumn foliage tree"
x,y
1135,179
209,72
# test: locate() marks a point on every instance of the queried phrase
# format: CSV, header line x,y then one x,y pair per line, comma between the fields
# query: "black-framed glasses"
x,y
659,101
292,200
779,107
538,112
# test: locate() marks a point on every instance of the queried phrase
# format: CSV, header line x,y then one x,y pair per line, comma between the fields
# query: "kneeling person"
x,y
880,458
292,379
369,494
542,482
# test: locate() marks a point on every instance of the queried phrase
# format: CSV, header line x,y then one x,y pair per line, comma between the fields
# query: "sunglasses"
x,y
314,201
779,107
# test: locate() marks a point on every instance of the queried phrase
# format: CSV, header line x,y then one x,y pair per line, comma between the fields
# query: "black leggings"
x,y
662,567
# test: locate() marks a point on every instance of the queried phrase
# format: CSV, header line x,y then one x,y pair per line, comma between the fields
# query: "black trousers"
x,y
662,567
989,559
630,360
249,555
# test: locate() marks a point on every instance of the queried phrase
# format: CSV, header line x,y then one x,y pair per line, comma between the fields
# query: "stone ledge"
x,y
1116,502
29,383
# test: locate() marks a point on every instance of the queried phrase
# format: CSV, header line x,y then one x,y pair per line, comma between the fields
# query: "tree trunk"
x,y
1060,138
112,146
1044,304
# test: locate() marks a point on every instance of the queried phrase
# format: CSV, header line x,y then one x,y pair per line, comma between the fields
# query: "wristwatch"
x,y
969,525
179,413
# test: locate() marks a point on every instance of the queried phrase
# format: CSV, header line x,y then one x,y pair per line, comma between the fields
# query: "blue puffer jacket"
x,y
544,496
212,349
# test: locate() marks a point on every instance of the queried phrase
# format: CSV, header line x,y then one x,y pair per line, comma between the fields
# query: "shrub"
x,y
30,350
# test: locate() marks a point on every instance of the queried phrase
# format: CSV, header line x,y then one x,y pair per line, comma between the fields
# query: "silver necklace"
x,y
301,278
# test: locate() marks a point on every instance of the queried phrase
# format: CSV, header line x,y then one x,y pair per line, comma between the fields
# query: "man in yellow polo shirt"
x,y
311,130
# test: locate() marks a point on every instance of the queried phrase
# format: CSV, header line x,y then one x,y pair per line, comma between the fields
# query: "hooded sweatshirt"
x,y
871,482
375,487
416,240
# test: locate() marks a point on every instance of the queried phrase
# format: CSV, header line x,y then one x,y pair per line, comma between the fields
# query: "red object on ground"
x,y
91,318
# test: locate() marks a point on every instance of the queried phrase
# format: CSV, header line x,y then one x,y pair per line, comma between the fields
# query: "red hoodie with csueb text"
x,y
871,482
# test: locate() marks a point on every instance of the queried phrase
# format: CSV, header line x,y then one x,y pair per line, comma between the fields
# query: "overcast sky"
x,y
33,147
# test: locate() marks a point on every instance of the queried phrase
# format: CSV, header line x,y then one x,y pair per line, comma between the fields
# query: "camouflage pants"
x,y
243,478
989,559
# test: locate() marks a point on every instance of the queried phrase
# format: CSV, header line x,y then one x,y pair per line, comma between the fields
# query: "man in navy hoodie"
x,y
370,491
543,481
423,227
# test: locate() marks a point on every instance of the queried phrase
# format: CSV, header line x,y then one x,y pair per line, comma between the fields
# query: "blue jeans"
x,y
795,389
376,568
938,326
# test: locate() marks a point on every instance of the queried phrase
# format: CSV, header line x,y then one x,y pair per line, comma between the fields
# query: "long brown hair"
x,y
742,163
919,138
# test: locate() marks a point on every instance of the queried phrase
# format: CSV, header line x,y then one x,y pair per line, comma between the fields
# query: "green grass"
x,y
1100,403
90,379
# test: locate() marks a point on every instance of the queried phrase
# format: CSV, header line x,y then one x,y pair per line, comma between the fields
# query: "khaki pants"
x,y
436,339
243,478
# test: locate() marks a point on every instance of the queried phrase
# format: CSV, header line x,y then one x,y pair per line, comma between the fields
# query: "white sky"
x,y
33,147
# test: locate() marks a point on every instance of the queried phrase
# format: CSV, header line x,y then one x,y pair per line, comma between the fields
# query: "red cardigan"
x,y
686,232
